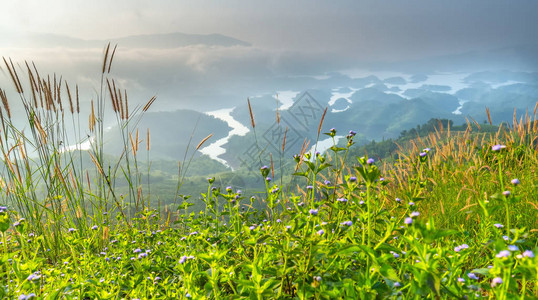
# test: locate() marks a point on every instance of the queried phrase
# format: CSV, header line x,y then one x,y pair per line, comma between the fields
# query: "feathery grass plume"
x,y
284,139
489,116
92,118
33,86
251,114
203,141
78,103
126,105
111,58
148,141
71,108
321,121
13,74
106,57
5,103
476,123
133,144
112,96
120,104
149,103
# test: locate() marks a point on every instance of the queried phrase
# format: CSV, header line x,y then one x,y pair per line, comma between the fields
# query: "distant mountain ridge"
x,y
168,40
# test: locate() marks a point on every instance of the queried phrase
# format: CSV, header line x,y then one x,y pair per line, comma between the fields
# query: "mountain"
x,y
170,40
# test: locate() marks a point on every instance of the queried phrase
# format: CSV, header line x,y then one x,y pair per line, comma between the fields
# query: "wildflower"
x,y
137,250
415,214
183,259
497,147
506,238
341,200
361,202
275,190
515,181
71,230
317,153
352,133
472,276
513,248
327,182
398,200
229,189
396,255
211,179
332,130
347,223
309,187
29,296
321,232
426,150
504,253
268,179
506,193
495,281
187,295
411,203
33,277
288,226
422,154
528,253
313,212
408,221
142,255
317,278
396,284
94,227
278,220
498,225
352,179
461,280
252,227
370,161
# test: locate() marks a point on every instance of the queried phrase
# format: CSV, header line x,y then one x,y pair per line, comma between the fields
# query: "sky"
x,y
287,38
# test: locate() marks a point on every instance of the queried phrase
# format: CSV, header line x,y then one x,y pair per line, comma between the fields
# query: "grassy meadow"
x,y
451,215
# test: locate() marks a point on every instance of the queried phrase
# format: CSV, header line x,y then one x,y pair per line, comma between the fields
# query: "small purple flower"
x,y
278,220
327,182
408,221
229,189
94,227
275,190
528,253
252,227
506,193
515,181
361,202
309,187
352,179
313,212
370,161
498,225
347,223
264,168
268,179
426,150
398,200
321,232
137,250
472,276
457,249
352,133
396,284
183,259
506,238
513,248
317,278
71,230
142,255
422,154
396,255
317,153
411,203
504,253
341,200
497,147
495,281
461,280
415,214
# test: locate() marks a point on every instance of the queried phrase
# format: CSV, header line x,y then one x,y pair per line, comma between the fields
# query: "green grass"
x,y
434,223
